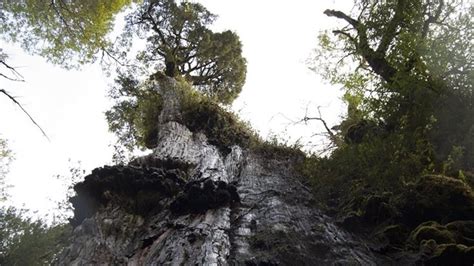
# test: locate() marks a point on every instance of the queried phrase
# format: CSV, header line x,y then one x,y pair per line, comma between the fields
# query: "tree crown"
x,y
179,42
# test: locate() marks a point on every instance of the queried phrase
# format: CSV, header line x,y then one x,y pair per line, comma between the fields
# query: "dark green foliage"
x,y
410,99
410,105
24,241
134,117
180,43
453,134
374,165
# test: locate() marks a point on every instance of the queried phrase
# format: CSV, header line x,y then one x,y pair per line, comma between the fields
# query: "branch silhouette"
x,y
24,111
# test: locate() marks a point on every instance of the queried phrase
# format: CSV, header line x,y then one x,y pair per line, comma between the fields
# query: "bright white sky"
x,y
277,38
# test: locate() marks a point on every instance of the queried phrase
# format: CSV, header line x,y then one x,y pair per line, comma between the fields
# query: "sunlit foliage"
x,y
65,32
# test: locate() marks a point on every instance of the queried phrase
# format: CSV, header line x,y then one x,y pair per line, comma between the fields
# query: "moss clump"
x,y
450,244
224,129
274,149
221,127
457,232
437,198
431,230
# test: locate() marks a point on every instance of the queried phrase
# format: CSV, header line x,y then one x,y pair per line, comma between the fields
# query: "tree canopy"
x,y
65,32
179,42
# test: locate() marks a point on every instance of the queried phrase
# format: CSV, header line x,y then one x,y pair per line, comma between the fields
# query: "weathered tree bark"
x,y
187,203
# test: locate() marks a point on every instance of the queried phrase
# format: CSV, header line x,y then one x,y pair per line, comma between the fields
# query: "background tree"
x,y
179,42
23,240
5,159
407,66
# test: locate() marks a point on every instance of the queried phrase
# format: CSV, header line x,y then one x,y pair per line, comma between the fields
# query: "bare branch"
x,y
334,139
24,111
13,70
9,78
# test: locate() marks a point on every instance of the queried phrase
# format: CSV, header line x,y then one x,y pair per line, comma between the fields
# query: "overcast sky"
x,y
277,38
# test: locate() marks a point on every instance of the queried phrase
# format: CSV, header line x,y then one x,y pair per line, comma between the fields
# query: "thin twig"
x,y
9,78
13,70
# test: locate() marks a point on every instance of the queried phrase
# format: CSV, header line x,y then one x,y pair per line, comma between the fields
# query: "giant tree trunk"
x,y
187,203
